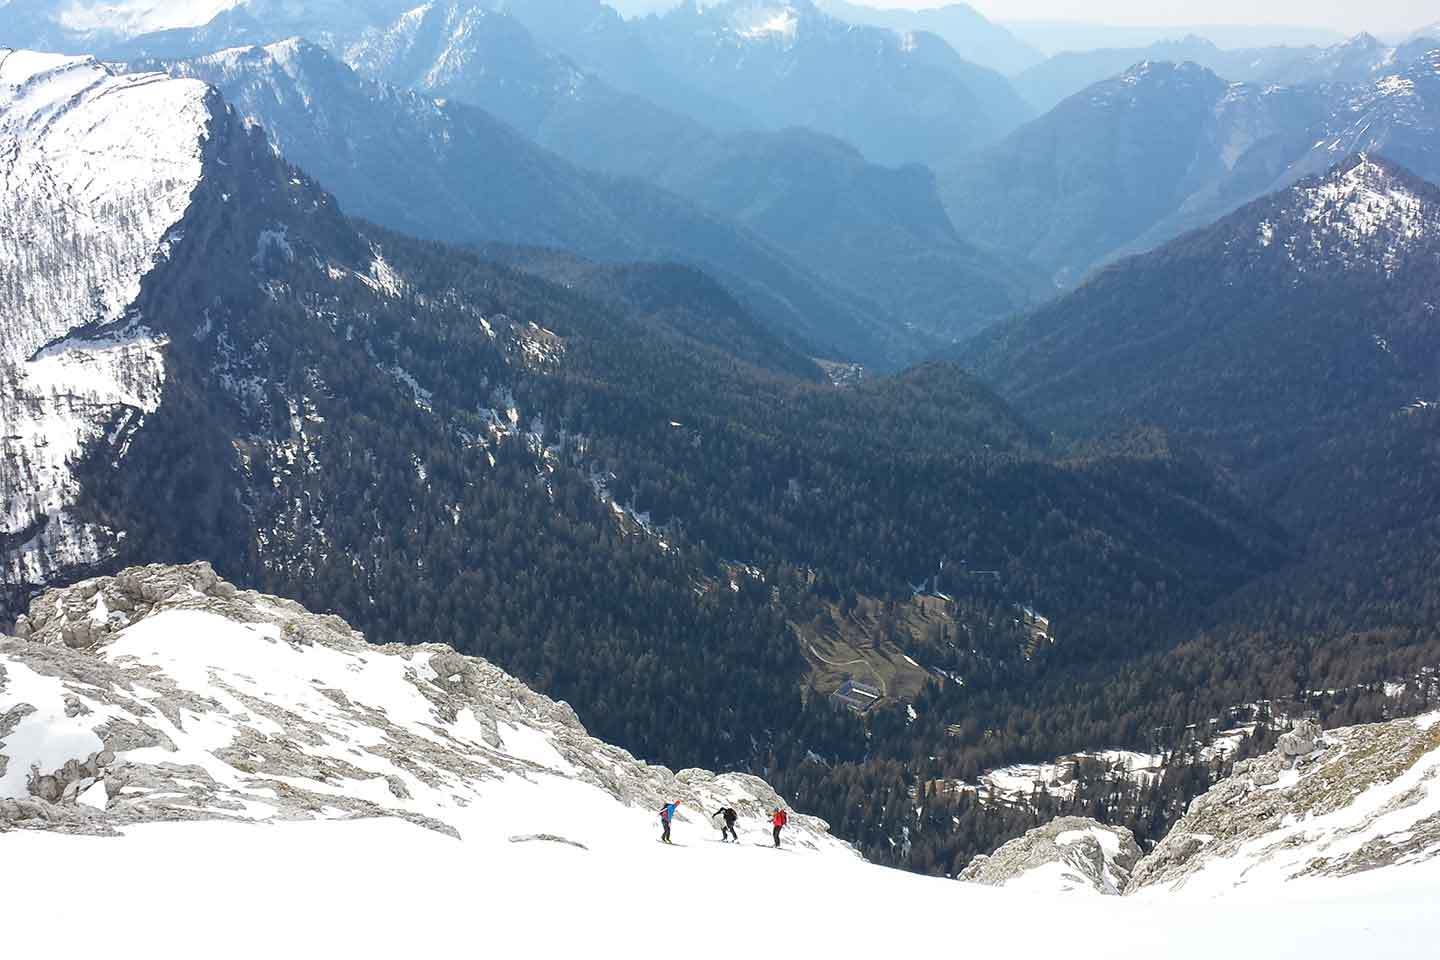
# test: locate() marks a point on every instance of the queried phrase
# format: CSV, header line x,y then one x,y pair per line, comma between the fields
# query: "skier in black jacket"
x,y
729,815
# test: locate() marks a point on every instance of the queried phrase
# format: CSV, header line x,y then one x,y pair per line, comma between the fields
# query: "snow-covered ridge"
x,y
165,694
1362,201
1361,213
96,169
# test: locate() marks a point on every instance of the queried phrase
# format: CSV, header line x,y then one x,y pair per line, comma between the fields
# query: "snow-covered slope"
x,y
97,169
163,694
241,755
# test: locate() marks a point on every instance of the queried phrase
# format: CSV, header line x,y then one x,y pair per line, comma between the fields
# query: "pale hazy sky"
x,y
1344,16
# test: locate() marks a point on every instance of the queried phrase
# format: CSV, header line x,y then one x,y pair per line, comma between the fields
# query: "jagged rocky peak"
x,y
164,693
751,20
1066,854
1327,804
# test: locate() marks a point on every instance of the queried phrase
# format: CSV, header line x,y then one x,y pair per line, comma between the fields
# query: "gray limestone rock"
x,y
1304,740
1082,853
1273,808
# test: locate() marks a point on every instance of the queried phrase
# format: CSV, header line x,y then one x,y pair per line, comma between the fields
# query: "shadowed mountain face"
x,y
1258,308
1295,345
881,233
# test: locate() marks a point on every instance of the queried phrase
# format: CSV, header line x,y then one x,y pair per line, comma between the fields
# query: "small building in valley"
x,y
856,696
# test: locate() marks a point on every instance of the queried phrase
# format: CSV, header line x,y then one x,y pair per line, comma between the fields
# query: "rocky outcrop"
x,y
164,693
1070,853
1301,743
1350,800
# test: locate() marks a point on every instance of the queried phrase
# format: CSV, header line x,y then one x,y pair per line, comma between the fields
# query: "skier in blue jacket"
x,y
667,812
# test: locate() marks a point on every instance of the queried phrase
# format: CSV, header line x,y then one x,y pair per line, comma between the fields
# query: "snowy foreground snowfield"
x,y
190,770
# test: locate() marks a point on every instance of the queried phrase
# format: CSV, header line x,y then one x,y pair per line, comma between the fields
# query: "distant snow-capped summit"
x,y
133,17
760,21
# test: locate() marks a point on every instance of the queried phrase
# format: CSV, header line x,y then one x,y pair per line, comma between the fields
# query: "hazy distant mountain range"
x,y
1133,161
958,24
1356,60
1052,37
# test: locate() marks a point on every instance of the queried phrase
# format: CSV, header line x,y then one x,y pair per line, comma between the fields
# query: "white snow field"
x,y
189,770
385,888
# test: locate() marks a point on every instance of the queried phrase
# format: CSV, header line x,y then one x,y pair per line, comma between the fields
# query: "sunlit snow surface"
x,y
95,169
761,21
388,889
130,17
1361,204
551,847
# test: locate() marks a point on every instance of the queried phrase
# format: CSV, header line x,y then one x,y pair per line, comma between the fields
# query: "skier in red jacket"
x,y
779,820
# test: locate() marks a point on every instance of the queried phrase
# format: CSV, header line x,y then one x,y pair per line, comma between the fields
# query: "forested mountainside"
x,y
1309,307
440,447
1141,158
1293,346
677,299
